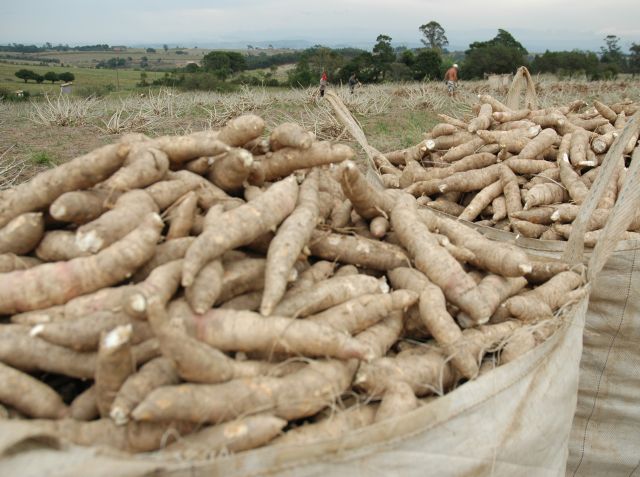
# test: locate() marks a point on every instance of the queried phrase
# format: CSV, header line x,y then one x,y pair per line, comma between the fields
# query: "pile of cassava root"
x,y
524,171
223,290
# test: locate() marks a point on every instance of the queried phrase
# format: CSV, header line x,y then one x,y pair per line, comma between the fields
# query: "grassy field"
x,y
159,60
85,78
37,135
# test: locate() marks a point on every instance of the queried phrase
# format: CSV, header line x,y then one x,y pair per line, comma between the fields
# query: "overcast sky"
x,y
541,24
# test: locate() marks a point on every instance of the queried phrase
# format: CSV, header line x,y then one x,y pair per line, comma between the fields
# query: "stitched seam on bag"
x,y
604,367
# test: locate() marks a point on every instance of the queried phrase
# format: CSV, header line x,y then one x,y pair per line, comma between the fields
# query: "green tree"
x,y
611,54
408,57
501,54
165,47
634,59
312,62
383,56
223,63
434,36
427,65
39,78
66,76
143,79
51,76
151,50
25,75
566,63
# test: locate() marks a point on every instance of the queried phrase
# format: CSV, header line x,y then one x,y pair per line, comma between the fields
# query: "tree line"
x,y
384,62
52,76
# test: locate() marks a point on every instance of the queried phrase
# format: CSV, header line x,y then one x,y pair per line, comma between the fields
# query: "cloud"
x,y
329,21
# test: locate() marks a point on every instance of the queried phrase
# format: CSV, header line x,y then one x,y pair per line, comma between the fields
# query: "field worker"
x,y
353,81
451,77
323,83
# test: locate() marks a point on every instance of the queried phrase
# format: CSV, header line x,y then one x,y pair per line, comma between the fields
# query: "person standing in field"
x,y
451,78
323,83
353,81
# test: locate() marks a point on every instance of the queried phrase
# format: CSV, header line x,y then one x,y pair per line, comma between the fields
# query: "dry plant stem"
x,y
28,395
56,283
331,292
290,135
435,261
241,226
113,366
22,234
157,372
356,250
182,216
236,436
130,209
397,400
292,236
287,160
143,167
79,173
360,313
10,262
